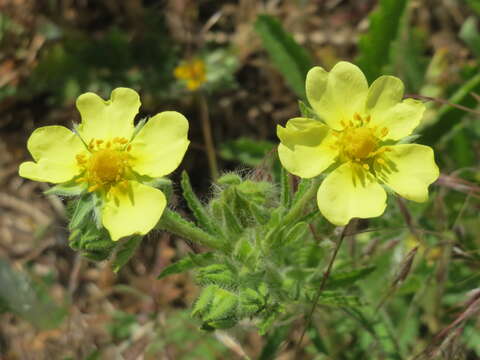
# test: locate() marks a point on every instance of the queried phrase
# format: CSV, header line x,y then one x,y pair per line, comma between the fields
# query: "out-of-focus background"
x,y
59,305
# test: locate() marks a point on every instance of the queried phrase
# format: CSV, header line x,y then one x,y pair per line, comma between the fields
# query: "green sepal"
x,y
409,139
307,111
70,188
187,263
139,127
125,251
82,208
229,179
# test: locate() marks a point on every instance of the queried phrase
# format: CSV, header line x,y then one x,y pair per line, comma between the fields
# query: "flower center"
x,y
359,141
106,165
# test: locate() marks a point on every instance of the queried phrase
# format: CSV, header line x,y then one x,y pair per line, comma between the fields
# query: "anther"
x,y
357,117
93,188
366,167
384,132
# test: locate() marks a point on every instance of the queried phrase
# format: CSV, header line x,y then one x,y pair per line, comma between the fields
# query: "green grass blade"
x,y
289,57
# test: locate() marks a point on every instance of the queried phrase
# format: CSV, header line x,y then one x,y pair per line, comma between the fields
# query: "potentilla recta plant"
x,y
263,262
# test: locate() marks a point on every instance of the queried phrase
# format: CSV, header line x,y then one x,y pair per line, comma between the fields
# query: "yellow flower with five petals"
x,y
107,157
357,138
193,72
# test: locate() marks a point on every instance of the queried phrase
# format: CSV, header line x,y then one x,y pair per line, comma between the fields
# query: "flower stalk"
x,y
175,224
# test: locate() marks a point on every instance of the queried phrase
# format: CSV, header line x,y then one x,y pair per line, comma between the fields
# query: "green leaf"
x,y
232,224
449,116
187,263
334,298
470,35
475,5
375,45
274,340
344,279
28,300
316,339
246,151
199,211
125,252
289,57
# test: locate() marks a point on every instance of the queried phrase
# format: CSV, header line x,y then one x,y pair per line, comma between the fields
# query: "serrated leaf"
x,y
125,252
187,263
223,305
374,46
203,301
292,60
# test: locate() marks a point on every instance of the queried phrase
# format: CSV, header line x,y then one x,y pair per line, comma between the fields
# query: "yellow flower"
x,y
357,138
106,156
193,72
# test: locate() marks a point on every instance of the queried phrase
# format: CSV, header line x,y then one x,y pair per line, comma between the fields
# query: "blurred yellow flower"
x,y
357,139
106,156
193,72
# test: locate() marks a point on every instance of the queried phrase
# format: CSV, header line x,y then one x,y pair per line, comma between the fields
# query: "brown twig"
x,y
325,277
443,102
207,135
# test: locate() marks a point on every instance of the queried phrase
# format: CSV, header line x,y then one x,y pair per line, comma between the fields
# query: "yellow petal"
x,y
337,95
54,149
386,108
108,119
348,193
306,147
160,145
133,211
409,169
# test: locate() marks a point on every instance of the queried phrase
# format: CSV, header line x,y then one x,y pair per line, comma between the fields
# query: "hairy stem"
x,y
174,223
296,211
